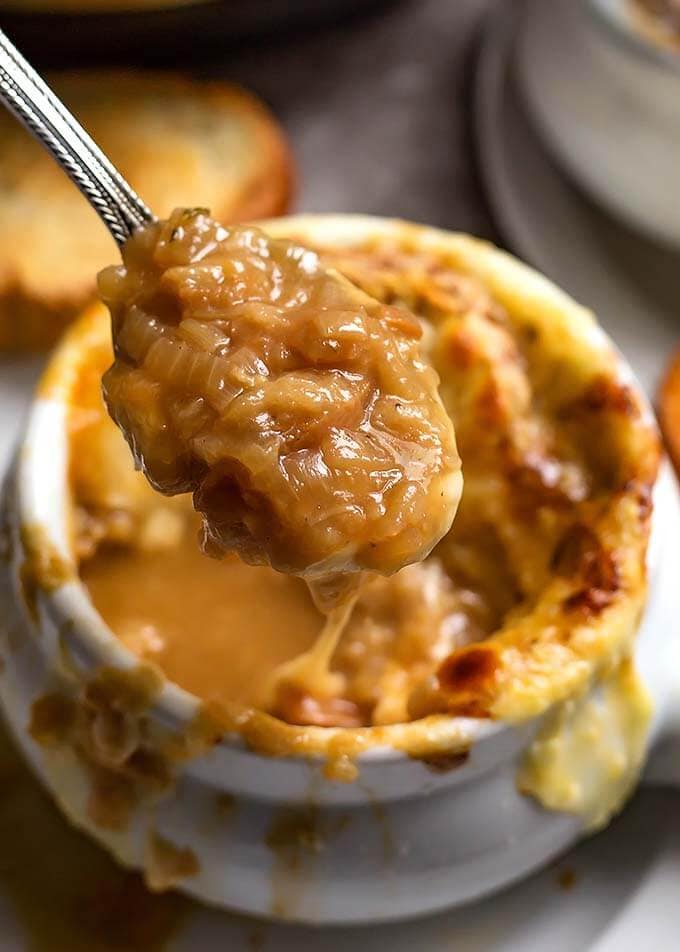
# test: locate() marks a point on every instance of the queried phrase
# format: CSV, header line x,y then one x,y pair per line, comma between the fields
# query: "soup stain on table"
x,y
65,892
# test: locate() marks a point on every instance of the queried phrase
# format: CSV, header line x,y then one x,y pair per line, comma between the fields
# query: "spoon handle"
x,y
26,95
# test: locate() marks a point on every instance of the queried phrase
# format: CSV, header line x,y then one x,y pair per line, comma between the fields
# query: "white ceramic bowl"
x,y
400,841
606,101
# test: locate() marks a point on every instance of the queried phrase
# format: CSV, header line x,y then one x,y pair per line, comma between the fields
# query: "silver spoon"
x,y
31,100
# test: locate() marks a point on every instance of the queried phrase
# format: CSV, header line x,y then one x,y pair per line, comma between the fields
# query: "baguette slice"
x,y
178,141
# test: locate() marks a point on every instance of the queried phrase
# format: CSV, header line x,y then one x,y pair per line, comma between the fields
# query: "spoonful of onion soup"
x,y
298,410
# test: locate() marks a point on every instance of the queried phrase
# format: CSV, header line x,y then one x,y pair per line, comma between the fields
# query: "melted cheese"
x,y
311,670
588,754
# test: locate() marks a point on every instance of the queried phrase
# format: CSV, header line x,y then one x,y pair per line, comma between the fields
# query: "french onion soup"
x,y
296,408
533,593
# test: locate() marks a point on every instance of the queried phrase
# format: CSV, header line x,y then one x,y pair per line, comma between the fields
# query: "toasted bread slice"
x,y
178,141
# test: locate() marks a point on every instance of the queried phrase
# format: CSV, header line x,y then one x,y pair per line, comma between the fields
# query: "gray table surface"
x,y
377,109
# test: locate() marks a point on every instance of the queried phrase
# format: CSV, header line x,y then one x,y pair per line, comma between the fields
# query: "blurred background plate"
x,y
632,284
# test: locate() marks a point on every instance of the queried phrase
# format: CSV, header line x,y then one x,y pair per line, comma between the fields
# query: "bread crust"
x,y
179,141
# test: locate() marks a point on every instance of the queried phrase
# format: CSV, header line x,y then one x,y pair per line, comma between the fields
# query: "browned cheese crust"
x,y
559,459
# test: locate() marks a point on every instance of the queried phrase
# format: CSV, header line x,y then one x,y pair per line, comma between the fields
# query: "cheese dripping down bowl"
x,y
526,735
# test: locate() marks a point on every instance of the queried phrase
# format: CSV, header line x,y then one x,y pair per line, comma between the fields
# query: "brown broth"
x,y
217,628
